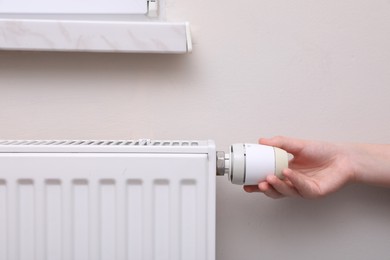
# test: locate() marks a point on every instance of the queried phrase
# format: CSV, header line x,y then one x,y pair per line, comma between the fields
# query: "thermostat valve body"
x,y
249,164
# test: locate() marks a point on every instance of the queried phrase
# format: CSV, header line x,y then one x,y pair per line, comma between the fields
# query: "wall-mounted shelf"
x,y
91,26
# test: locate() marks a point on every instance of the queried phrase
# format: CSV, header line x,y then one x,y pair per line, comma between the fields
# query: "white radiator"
x,y
83,200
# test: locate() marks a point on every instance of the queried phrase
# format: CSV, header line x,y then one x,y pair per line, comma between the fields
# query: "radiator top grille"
x,y
140,142
109,146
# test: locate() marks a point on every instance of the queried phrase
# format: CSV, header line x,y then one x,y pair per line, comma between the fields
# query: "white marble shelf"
x,y
94,36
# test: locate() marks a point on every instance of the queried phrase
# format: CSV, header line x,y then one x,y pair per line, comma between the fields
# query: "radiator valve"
x,y
249,164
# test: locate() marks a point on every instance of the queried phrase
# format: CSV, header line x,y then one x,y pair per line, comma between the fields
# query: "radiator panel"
x,y
107,205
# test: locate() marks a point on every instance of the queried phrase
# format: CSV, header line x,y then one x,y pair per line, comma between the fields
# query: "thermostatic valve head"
x,y
249,164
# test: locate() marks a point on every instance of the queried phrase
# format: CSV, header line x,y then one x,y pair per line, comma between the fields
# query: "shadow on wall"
x,y
76,95
84,66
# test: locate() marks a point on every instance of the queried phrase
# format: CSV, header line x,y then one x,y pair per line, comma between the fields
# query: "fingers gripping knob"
x,y
249,164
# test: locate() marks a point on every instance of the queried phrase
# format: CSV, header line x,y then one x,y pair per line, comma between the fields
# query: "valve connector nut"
x,y
220,163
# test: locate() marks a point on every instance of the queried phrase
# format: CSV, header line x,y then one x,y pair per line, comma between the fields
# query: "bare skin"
x,y
321,168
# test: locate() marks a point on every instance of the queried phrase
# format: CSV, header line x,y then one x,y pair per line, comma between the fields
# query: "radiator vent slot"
x,y
141,142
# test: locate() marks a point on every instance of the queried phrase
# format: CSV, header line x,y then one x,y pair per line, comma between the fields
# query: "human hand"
x,y
317,169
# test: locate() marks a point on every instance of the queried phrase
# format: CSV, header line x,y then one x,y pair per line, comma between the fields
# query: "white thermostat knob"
x,y
249,164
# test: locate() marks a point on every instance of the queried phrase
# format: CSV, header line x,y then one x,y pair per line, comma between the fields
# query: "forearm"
x,y
371,164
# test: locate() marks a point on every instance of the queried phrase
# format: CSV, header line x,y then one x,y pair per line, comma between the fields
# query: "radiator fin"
x,y
80,219
187,218
26,220
161,225
54,218
107,221
3,220
135,206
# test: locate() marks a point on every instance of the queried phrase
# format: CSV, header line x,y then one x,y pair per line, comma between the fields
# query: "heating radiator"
x,y
83,200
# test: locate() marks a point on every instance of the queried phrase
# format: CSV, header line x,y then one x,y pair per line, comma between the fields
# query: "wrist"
x,y
355,157
350,160
370,164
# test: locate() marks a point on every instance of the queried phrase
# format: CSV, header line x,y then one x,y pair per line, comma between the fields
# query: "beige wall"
x,y
312,69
